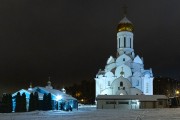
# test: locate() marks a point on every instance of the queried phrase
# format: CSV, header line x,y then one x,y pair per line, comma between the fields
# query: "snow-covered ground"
x,y
91,113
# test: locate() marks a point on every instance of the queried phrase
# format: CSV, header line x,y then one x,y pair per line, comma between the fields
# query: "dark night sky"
x,y
73,39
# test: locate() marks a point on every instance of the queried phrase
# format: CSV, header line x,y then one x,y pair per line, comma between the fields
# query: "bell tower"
x,y
125,37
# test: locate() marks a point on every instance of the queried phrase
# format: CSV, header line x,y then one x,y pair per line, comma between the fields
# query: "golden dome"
x,y
125,25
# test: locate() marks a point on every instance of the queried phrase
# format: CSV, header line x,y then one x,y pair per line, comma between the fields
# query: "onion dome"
x,y
49,83
125,25
63,90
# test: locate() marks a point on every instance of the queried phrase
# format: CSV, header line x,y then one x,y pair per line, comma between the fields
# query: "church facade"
x,y
124,74
124,83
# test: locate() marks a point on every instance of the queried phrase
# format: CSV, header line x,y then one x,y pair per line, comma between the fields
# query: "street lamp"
x,y
177,92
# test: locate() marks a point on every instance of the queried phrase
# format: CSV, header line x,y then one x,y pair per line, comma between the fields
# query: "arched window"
x,y
137,83
124,41
121,84
108,83
147,88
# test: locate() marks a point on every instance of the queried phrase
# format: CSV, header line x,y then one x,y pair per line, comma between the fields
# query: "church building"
x,y
124,76
58,97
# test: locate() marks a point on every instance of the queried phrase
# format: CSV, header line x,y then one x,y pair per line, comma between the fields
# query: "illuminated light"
x,y
82,100
121,94
59,97
177,91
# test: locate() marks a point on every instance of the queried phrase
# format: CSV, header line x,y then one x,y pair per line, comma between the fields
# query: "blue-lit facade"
x,y
58,98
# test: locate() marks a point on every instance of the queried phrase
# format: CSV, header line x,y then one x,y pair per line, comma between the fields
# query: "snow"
x,y
91,113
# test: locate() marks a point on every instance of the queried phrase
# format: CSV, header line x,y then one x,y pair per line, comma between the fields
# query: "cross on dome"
x,y
125,24
122,72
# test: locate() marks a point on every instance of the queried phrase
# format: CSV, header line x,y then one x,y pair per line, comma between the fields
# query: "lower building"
x,y
131,101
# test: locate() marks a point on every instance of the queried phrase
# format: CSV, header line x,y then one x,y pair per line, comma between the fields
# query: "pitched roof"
x,y
57,92
42,90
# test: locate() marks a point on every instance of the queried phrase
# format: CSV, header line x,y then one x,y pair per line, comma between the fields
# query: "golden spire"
x,y
125,24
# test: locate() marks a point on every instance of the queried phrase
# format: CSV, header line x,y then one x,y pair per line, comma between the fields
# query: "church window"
x,y
122,101
146,87
123,59
121,84
137,83
124,41
110,102
108,83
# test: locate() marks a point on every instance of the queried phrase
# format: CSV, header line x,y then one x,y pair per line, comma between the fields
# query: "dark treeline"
x,y
6,104
21,104
47,102
34,102
166,86
84,92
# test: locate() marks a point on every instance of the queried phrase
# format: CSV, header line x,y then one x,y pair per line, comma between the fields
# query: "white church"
x,y
124,76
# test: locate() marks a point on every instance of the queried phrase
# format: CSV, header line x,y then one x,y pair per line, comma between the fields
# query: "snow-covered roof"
x,y
101,72
137,59
110,60
42,90
21,92
57,92
131,97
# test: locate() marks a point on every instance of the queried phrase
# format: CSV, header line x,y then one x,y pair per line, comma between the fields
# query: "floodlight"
x,y
59,97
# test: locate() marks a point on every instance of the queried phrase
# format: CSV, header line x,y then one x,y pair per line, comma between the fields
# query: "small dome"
x,y
125,25
63,90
